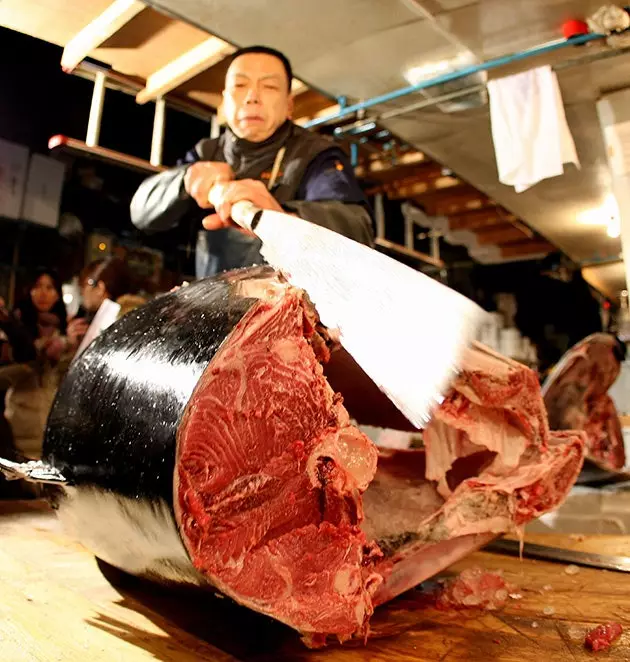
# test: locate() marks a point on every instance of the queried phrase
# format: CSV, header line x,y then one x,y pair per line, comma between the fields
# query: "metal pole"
x,y
215,129
157,140
409,233
96,110
354,154
379,214
435,245
456,75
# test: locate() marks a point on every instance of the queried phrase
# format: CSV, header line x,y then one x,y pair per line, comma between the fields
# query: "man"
x,y
262,157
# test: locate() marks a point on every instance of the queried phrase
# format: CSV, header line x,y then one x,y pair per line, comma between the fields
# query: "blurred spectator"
x,y
108,279
41,349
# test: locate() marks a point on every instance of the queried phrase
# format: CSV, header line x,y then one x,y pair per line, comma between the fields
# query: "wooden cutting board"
x,y
57,605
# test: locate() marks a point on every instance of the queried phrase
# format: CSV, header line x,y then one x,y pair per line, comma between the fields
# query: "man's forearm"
x,y
160,203
351,220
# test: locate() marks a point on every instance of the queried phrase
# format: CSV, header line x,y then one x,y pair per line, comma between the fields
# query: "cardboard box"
x,y
13,171
43,191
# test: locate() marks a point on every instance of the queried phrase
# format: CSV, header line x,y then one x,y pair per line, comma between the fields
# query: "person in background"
x,y
110,279
262,157
42,346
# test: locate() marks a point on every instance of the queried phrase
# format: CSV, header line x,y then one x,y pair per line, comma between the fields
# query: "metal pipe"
x,y
354,155
434,101
455,75
215,126
355,129
379,215
96,110
435,245
409,239
157,140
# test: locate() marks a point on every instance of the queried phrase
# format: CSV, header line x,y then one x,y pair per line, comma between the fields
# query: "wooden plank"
x,y
480,218
399,174
535,247
454,201
186,66
302,116
298,87
403,250
501,234
420,188
57,604
386,170
104,154
119,13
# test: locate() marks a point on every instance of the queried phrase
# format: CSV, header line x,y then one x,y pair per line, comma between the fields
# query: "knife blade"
x,y
560,555
407,331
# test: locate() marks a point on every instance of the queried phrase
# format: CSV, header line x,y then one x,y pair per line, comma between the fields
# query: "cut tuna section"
x,y
576,397
207,430
270,476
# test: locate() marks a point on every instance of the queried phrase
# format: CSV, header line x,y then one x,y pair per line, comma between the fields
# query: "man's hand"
x,y
252,190
200,177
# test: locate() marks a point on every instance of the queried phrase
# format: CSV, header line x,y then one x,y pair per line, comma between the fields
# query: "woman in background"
x,y
108,279
42,346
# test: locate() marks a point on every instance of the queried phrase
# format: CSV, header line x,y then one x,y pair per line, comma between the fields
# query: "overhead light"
x,y
606,215
68,298
429,70
614,228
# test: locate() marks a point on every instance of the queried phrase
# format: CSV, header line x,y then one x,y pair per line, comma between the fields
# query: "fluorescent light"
x,y
415,75
607,215
614,228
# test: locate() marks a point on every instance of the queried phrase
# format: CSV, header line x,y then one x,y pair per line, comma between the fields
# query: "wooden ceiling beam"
x,y
536,247
118,14
329,111
480,219
298,87
381,168
501,234
419,188
183,68
456,200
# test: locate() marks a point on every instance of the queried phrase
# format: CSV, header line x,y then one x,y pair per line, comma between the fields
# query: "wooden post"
x,y
157,141
96,110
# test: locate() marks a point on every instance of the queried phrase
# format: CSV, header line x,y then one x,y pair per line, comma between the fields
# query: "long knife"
x,y
560,555
406,330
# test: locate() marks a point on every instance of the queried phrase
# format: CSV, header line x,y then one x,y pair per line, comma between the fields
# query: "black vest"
x,y
220,250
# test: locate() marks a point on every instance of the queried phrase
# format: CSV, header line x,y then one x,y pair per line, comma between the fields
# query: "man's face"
x,y
257,97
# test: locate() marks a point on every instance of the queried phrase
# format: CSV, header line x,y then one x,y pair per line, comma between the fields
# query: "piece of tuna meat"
x,y
603,636
475,587
576,397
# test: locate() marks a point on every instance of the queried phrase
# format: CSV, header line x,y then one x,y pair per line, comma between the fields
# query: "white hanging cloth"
x,y
531,136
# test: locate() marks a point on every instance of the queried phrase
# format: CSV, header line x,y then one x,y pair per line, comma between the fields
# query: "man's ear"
x,y
290,108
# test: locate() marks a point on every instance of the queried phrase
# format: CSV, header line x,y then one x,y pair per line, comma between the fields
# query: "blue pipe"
x,y
454,75
355,130
354,154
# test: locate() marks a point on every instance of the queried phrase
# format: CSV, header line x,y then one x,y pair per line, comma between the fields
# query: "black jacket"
x,y
315,181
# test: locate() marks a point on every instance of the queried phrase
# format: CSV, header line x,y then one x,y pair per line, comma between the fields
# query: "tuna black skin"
x,y
112,430
114,421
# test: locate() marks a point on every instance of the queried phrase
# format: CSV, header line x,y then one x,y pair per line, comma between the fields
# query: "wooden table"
x,y
57,605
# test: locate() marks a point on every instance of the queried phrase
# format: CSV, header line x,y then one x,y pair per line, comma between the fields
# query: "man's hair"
x,y
267,51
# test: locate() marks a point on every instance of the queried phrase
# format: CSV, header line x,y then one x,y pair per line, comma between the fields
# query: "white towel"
x,y
531,136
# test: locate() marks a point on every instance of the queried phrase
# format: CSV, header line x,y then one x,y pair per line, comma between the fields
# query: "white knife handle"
x,y
244,213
